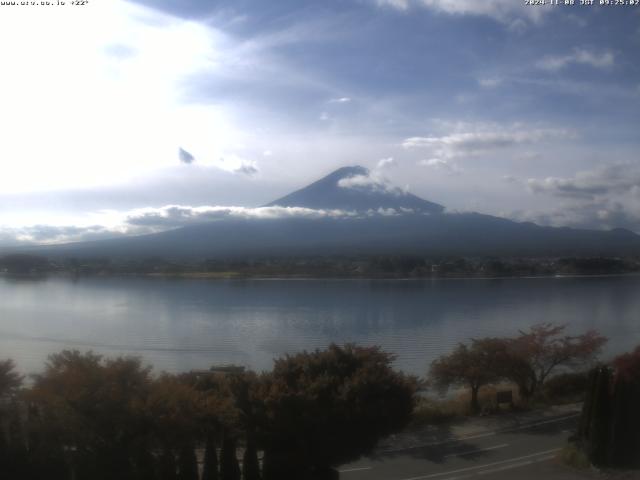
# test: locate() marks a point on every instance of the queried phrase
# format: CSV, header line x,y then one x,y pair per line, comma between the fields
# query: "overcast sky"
x,y
120,107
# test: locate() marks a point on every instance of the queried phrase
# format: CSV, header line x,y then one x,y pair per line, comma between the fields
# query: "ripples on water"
x,y
179,324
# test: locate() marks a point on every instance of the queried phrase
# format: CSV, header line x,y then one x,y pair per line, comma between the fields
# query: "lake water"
x,y
180,324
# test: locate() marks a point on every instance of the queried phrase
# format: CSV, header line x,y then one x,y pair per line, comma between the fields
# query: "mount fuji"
x,y
357,214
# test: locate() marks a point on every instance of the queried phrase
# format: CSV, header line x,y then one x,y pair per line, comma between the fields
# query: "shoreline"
x,y
304,277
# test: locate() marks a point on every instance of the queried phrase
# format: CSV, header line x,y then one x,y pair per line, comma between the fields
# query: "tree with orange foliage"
x,y
92,409
329,407
471,366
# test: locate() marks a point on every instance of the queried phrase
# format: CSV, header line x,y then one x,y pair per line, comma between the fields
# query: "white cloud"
x,y
361,181
399,4
340,100
237,164
602,215
385,212
432,162
601,60
607,180
505,11
51,234
172,216
474,140
152,220
517,25
605,197
490,82
510,179
578,20
387,162
124,99
441,164
372,181
114,97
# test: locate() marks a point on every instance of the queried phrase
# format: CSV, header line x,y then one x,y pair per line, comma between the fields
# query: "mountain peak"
x,y
355,188
346,172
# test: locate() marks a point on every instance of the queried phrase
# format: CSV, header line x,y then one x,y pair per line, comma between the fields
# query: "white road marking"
x,y
471,452
480,435
517,465
477,467
500,469
355,469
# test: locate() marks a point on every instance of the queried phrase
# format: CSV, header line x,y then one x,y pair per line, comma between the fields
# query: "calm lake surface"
x,y
180,324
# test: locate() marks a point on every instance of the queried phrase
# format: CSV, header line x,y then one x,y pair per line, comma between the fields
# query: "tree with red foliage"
x,y
531,357
628,365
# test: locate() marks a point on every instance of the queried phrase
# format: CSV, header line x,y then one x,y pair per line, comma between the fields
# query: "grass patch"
x,y
561,389
434,411
572,456
431,411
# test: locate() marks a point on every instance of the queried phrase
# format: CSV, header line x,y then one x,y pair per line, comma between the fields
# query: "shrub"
x,y
566,387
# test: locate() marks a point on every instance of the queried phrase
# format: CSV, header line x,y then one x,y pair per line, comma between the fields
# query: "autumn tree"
x,y
248,411
219,421
628,365
210,466
12,445
229,467
327,407
174,409
471,366
94,409
530,358
10,380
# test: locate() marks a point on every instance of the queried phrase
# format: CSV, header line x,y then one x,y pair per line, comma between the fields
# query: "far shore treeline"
x,y
349,266
86,416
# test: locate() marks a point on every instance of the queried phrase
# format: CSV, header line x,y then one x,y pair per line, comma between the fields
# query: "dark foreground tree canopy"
x,y
89,417
329,407
609,432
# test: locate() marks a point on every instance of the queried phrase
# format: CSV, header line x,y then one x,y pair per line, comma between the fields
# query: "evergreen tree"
x,y
210,468
229,467
250,464
187,463
167,469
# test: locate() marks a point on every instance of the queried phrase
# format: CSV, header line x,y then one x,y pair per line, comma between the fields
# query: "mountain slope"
x,y
353,189
415,226
447,234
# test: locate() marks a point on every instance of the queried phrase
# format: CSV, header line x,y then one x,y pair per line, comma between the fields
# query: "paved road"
x,y
523,451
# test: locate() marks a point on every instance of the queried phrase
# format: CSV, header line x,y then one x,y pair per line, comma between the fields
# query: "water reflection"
x,y
182,324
